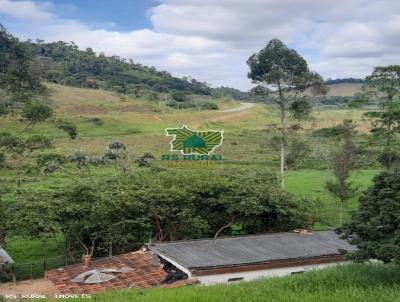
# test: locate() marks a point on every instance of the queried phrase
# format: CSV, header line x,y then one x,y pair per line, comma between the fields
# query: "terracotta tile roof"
x,y
142,273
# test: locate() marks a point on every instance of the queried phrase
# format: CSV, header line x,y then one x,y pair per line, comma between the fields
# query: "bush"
x,y
173,104
297,154
300,109
334,131
42,159
388,159
179,96
209,106
36,112
146,160
69,128
96,121
2,160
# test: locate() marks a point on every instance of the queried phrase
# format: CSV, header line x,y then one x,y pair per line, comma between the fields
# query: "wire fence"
x,y
36,269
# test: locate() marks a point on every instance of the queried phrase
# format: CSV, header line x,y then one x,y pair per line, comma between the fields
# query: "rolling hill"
x,y
64,63
344,89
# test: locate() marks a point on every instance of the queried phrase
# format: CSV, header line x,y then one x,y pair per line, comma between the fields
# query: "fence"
x,y
36,269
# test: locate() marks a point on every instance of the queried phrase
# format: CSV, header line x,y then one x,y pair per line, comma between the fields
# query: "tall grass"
x,y
348,283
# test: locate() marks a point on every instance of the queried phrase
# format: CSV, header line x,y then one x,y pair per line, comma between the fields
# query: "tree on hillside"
x,y
179,96
374,227
117,152
17,147
68,128
17,77
146,160
383,86
64,63
343,161
36,112
285,75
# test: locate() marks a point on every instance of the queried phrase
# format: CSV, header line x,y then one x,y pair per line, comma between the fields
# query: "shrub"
x,y
42,159
146,160
334,131
96,121
35,112
69,128
179,96
2,160
209,106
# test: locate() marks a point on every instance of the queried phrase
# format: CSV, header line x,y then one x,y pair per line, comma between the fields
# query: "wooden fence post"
x,y
14,273
44,268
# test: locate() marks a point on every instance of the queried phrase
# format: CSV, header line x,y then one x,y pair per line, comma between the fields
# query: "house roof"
x,y
245,250
136,270
5,258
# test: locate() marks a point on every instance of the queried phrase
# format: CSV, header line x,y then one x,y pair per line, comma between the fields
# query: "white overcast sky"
x,y
212,39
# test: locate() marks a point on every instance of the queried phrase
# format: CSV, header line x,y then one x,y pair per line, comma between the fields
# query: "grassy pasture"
x,y
102,117
354,282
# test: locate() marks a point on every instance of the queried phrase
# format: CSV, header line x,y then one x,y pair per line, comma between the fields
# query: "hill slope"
x,y
63,63
344,89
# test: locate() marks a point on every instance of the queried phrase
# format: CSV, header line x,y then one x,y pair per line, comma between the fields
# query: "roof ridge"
x,y
236,237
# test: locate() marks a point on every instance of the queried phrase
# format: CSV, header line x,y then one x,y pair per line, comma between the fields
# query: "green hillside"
x,y
63,63
101,117
86,133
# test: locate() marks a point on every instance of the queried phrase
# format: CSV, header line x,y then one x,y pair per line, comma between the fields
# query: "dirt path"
x,y
235,112
31,287
243,106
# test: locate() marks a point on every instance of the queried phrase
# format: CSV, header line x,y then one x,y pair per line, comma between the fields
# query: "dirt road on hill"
x,y
243,106
235,112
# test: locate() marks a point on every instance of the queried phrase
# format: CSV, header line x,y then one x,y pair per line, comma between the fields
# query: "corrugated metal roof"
x,y
201,254
5,258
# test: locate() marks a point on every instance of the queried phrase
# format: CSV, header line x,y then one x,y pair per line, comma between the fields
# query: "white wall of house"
x,y
266,273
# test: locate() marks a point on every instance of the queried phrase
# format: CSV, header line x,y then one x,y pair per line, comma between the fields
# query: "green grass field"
x,y
348,283
141,127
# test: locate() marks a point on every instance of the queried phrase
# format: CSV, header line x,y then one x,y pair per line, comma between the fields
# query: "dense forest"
x,y
63,63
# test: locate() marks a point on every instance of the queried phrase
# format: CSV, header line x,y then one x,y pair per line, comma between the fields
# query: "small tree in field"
x,y
283,74
383,85
117,152
36,112
343,162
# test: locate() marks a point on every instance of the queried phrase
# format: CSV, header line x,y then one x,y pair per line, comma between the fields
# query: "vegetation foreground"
x,y
103,189
354,282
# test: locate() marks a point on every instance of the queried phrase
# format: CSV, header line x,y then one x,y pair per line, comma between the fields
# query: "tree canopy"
x,y
383,87
125,212
282,74
17,76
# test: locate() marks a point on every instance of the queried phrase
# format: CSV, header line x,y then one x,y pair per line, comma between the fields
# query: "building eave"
x,y
267,265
